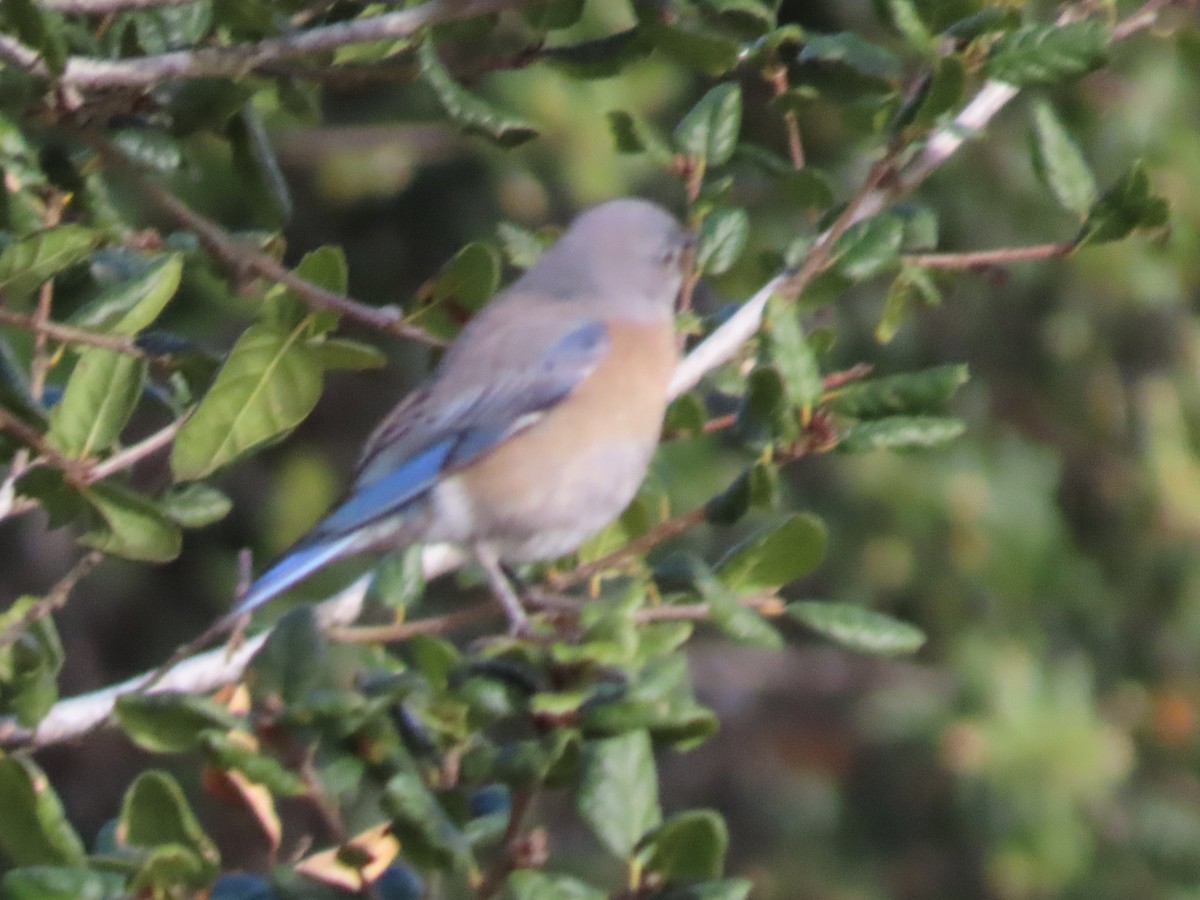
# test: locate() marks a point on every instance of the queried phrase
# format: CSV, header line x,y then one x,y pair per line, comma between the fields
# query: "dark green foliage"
x,y
155,381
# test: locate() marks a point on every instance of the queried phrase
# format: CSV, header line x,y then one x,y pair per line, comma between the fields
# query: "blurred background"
x,y
1046,740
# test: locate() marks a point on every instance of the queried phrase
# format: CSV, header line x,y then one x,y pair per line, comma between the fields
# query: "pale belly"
x,y
535,516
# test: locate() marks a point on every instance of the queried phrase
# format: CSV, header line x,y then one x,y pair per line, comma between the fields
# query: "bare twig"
x,y
68,334
54,599
73,470
242,258
777,77
652,538
134,453
982,258
1146,17
88,73
77,715
384,634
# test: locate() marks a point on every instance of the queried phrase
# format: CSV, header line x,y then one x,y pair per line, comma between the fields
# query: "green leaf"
x,y
726,612
900,432
466,110
60,883
40,29
155,814
29,665
269,383
1059,162
858,628
688,846
763,414
705,50
772,558
422,824
601,57
558,14
347,355
149,149
528,884
618,793
400,578
721,240
171,27
27,263
726,889
757,486
195,505
1124,208
848,49
129,525
99,398
170,722
709,131
632,135
522,247
233,751
907,394
1048,54
910,285
134,303
325,267
34,830
943,93
292,663
105,387
870,247
791,355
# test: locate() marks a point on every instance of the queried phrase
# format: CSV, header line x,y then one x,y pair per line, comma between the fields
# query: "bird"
x,y
537,426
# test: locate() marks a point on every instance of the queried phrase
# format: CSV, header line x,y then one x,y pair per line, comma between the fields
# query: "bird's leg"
x,y
502,589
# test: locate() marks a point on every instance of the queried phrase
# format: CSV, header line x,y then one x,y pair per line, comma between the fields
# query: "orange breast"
x,y
576,469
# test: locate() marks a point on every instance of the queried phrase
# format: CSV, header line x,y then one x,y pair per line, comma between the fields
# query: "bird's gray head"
x,y
628,251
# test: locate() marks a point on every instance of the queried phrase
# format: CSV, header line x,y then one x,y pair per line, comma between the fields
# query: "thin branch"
x,y
54,599
78,715
778,79
134,453
242,258
1146,17
89,73
68,334
639,545
74,471
386,634
975,259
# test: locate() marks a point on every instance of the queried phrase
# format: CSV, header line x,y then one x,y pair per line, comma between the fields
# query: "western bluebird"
x,y
536,428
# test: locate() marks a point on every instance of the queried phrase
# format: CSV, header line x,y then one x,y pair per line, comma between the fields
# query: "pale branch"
x,y
144,72
68,334
973,259
207,671
72,717
134,453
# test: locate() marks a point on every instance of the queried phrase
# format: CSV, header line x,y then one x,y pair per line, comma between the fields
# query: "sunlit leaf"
x,y
618,796
268,384
858,628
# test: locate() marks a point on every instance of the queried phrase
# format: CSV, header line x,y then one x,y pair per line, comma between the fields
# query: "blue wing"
x,y
419,442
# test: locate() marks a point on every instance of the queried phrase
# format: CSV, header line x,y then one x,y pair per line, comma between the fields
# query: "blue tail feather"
x,y
291,570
